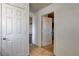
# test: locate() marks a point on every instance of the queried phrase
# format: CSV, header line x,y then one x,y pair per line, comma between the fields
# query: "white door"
x,y
50,30
14,31
46,31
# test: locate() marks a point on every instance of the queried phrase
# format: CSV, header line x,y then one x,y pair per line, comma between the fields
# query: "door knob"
x,y
4,38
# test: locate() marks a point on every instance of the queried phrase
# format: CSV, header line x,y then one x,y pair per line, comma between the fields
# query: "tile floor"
x,y
44,51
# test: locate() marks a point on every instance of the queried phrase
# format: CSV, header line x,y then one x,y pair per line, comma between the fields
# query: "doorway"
x,y
47,32
31,45
30,31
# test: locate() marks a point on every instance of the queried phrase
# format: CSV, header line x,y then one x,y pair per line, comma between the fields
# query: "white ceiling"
x,y
34,7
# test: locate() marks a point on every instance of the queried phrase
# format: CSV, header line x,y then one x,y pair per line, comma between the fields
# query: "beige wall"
x,y
0,29
66,30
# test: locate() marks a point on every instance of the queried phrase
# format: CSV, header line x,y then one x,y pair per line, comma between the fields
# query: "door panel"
x,y
47,31
14,30
50,30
